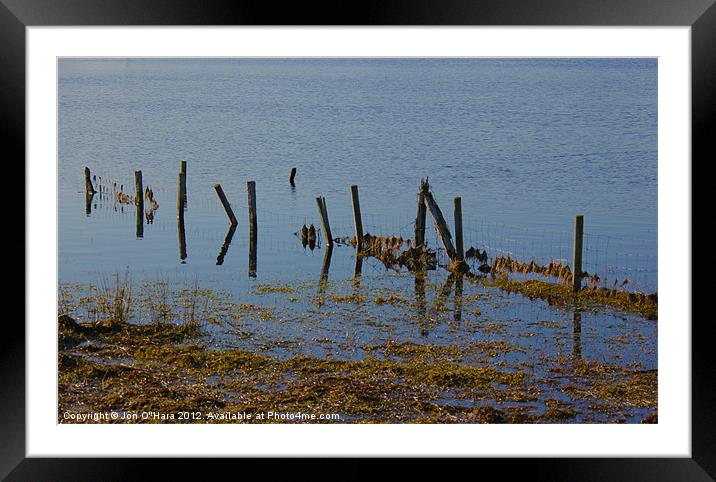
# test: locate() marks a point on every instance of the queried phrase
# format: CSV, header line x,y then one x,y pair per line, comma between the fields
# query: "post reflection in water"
x,y
458,297
577,334
88,203
326,264
446,288
357,270
252,256
323,282
182,238
225,246
420,301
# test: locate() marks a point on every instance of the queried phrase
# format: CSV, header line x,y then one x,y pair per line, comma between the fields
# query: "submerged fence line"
x,y
606,260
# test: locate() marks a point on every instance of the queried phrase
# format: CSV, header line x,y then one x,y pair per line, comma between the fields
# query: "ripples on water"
x,y
526,143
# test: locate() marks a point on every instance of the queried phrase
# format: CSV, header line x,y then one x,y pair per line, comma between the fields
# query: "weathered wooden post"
x,y
180,219
459,248
225,203
420,218
578,245
440,224
323,211
89,188
182,170
180,196
292,176
357,218
139,202
253,228
139,196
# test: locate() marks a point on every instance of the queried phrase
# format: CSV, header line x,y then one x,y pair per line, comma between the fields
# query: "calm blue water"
x,y
526,143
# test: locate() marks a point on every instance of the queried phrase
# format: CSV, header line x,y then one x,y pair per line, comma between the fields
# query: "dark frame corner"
x,y
16,15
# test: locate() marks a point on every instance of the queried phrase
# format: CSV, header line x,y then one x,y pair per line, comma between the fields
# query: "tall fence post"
x,y
420,217
225,203
578,245
292,176
357,218
180,219
180,196
139,202
89,188
253,227
323,211
458,229
182,170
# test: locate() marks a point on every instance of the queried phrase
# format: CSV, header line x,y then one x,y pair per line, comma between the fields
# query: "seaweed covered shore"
x,y
168,367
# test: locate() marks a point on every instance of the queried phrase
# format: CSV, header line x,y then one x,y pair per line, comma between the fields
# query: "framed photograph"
x,y
434,231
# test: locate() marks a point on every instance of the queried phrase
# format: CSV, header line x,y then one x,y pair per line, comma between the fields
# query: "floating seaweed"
x,y
502,265
476,254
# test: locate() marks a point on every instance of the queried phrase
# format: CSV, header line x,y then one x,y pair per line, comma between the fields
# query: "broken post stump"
x,y
89,188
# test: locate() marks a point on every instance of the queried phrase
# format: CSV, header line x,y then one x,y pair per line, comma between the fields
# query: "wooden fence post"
x,y
323,211
139,202
225,203
357,218
180,219
460,250
182,170
89,188
420,218
180,196
440,224
253,227
578,245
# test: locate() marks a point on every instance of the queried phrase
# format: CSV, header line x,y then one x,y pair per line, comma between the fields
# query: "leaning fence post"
x,y
89,188
357,218
225,203
578,244
323,211
458,229
440,225
420,218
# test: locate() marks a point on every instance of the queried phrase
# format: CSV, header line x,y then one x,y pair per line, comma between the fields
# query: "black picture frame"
x,y
16,15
